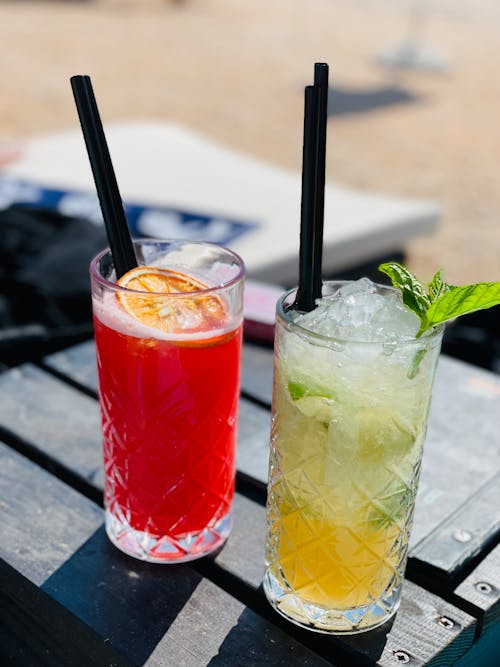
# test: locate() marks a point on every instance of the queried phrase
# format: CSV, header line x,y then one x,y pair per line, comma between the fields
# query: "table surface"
x,y
69,597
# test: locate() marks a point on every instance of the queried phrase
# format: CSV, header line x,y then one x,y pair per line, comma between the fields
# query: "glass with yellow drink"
x,y
352,387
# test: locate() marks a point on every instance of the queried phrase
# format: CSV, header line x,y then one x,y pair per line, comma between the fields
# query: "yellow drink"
x,y
340,573
347,434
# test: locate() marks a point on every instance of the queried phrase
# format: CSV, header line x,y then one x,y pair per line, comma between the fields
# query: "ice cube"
x,y
357,287
360,311
395,320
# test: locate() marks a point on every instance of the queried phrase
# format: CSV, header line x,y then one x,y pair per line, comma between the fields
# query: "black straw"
x,y
120,241
320,80
304,300
313,187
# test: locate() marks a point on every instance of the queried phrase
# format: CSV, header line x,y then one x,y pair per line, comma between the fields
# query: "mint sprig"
x,y
414,295
441,302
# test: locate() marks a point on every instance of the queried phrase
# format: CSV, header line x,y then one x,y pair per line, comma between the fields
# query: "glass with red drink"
x,y
168,341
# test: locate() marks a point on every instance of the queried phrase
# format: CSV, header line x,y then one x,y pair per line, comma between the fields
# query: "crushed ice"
x,y
358,311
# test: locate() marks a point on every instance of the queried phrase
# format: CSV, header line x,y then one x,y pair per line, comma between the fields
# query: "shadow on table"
x,y
361,649
133,605
253,642
114,594
351,100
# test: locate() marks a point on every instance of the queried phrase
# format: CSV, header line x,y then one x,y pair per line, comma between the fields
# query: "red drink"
x,y
177,411
168,368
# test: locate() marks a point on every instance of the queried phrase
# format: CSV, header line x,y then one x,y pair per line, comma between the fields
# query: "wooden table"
x,y
68,597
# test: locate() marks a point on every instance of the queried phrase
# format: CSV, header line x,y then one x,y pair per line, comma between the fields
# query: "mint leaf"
x,y
437,286
460,301
443,302
413,292
415,364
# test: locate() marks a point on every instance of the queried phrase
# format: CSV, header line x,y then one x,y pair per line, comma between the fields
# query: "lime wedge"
x,y
312,401
299,390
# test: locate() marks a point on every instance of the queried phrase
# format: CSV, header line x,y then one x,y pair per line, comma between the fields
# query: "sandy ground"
x,y
235,69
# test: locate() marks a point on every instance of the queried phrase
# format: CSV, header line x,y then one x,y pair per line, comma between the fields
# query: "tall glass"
x,y
348,427
169,401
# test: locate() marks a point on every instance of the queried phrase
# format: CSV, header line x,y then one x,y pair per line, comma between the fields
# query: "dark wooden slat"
x,y
77,362
35,630
248,638
62,573
243,555
252,453
35,504
53,417
463,534
461,450
428,630
482,589
257,372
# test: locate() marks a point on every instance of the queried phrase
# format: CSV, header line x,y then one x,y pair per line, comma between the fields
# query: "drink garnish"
x,y
441,302
300,390
194,311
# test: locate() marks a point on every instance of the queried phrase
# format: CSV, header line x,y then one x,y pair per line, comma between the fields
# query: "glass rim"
x,y
284,315
96,275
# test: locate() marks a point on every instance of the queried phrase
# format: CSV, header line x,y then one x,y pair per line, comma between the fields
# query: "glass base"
x,y
167,549
331,621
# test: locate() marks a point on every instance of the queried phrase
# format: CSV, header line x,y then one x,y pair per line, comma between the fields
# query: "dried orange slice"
x,y
156,299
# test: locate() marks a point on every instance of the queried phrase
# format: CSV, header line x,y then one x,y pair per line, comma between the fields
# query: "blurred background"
x,y
414,106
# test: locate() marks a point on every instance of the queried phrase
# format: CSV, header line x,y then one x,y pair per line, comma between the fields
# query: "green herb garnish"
x,y
300,390
441,302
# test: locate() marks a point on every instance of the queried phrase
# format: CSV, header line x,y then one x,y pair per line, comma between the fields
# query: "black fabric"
x,y
44,279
